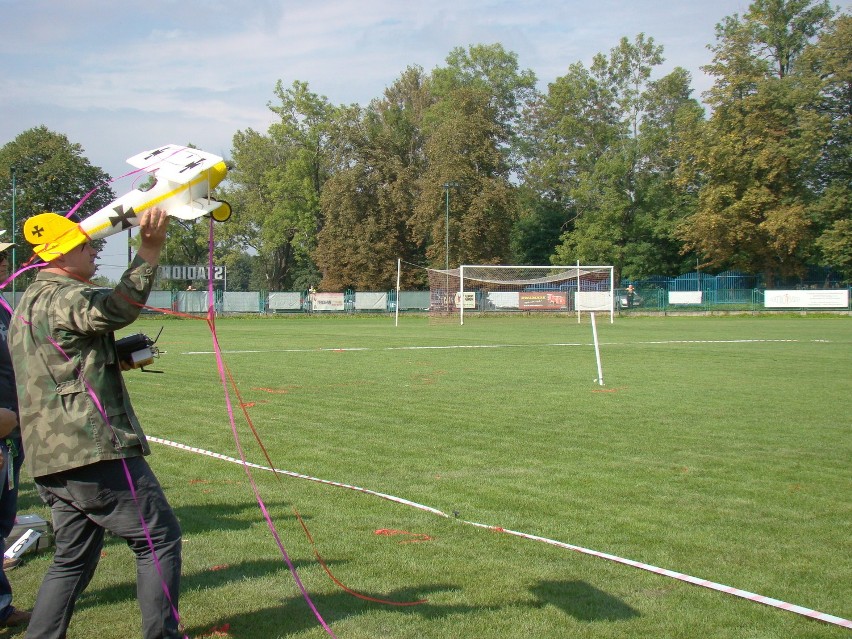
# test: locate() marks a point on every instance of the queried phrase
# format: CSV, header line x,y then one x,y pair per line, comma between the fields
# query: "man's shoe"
x,y
17,618
10,563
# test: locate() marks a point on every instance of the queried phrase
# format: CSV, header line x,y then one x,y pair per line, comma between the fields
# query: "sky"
x,y
119,78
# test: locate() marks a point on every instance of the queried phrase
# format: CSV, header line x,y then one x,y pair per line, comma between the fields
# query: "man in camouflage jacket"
x,y
82,439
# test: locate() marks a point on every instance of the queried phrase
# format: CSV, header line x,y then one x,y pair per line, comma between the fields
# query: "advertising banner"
x,y
371,301
285,301
469,300
542,300
593,300
807,299
327,302
684,297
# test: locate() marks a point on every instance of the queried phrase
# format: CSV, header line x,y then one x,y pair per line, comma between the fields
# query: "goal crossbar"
x,y
572,272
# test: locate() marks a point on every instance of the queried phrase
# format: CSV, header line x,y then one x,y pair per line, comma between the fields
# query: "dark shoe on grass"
x,y
17,618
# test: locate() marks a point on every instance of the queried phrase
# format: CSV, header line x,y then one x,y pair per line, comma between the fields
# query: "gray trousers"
x,y
87,501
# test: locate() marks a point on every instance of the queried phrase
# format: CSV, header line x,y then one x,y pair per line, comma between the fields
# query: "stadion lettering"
x,y
190,272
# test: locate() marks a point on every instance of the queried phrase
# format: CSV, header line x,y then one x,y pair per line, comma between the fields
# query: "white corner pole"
x,y
577,303
396,309
612,295
461,294
599,380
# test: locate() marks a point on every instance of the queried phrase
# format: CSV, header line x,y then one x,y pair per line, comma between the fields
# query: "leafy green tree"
x,y
536,230
830,61
51,174
276,185
387,198
600,149
495,71
469,142
368,201
187,242
760,150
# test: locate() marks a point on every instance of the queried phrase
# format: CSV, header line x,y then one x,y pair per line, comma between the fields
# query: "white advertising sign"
x,y
469,299
684,297
287,301
327,302
807,299
593,300
371,301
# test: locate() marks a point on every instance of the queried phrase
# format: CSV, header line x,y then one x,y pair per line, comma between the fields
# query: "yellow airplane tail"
x,y
53,235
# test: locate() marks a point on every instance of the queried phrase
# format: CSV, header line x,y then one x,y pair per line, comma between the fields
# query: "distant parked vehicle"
x,y
624,300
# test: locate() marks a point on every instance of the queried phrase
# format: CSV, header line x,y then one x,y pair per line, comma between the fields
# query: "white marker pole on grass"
x,y
599,380
396,309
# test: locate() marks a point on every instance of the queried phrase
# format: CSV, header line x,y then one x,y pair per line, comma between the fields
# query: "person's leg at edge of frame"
x,y
79,542
158,618
5,528
9,615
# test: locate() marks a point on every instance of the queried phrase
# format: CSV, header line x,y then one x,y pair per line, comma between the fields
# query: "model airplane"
x,y
180,181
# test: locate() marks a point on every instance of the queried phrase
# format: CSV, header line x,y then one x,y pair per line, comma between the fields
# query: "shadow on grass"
x,y
202,518
583,601
28,498
294,615
15,631
210,578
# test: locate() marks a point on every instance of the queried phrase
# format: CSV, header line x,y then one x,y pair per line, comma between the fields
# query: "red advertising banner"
x,y
543,300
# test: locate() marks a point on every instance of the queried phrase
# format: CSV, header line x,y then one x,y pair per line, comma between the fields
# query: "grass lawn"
x,y
719,447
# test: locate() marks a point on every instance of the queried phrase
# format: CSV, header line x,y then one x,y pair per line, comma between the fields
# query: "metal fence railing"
x,y
648,299
727,299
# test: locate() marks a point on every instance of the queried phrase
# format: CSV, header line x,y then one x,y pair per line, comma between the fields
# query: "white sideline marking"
x,y
466,346
769,601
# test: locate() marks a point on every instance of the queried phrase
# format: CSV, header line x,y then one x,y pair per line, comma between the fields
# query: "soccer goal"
x,y
528,289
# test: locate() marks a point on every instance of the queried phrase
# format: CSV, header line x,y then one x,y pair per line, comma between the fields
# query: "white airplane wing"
x,y
174,162
194,209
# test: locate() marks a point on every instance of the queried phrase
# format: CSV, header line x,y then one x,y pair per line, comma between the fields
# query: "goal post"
x,y
484,288
576,288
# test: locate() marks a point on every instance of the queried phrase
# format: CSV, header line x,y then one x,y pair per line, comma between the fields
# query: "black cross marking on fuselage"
x,y
123,216
38,231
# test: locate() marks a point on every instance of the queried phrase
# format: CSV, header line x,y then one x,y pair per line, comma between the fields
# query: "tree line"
x,y
471,163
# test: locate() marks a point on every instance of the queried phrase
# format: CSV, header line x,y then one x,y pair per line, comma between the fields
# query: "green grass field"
x,y
720,447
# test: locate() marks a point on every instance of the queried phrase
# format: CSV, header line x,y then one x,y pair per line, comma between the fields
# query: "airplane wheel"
x,y
223,213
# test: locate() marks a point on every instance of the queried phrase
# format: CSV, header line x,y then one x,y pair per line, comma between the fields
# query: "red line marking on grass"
x,y
276,391
415,537
221,632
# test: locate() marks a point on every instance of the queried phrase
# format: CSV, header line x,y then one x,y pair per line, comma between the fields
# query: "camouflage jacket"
x,y
63,351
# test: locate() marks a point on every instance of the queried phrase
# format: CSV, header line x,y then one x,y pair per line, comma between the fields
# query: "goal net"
x,y
528,289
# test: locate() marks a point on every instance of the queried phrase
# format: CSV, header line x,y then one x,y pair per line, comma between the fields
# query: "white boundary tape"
x,y
475,346
769,601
